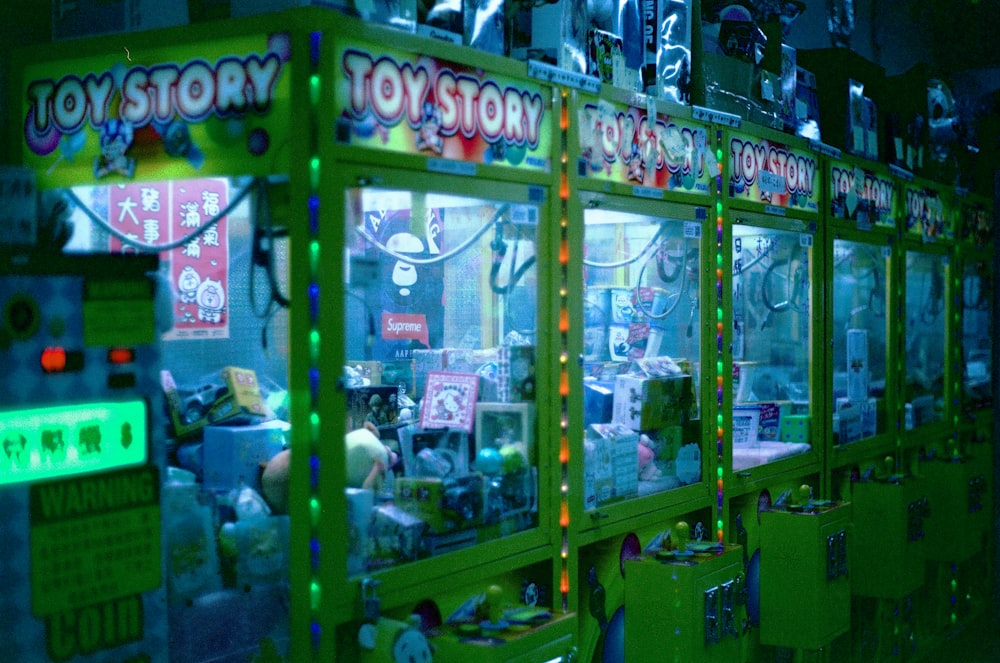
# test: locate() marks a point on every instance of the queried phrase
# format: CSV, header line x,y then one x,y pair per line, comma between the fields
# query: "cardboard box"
x,y
858,419
611,465
232,397
645,403
360,502
375,404
395,537
834,70
232,455
598,401
445,505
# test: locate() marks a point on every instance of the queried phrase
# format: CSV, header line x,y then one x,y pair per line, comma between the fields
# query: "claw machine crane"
x,y
177,148
431,460
771,407
641,177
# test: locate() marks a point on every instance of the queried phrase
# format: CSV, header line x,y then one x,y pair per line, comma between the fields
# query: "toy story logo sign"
x,y
763,171
861,195
416,104
171,119
625,144
926,214
164,213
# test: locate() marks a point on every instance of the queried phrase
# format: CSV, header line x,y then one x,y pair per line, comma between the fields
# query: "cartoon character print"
x,y
116,138
15,449
90,439
53,445
429,131
411,646
187,284
448,408
211,300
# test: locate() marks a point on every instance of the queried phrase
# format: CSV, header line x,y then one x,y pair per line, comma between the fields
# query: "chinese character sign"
x,y
164,213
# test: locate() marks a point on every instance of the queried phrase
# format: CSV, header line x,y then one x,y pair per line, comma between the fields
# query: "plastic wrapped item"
x,y
483,22
667,66
440,19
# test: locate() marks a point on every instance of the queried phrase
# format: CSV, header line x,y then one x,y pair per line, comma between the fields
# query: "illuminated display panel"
x,y
66,440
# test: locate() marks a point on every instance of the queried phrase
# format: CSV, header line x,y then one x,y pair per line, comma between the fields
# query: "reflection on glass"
x,y
771,349
440,338
859,340
977,334
925,338
641,345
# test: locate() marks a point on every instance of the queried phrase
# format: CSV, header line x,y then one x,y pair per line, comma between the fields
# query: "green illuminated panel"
x,y
64,440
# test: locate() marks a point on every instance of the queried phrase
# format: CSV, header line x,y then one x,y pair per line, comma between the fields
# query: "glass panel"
x,y
771,282
440,337
925,338
641,353
977,334
224,352
859,340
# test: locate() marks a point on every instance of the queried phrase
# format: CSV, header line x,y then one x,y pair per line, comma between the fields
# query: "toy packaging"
x,y
483,25
666,69
231,397
232,455
440,19
611,464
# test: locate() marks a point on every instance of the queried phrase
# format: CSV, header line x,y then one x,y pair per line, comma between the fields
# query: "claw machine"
x,y
174,153
435,346
776,502
641,178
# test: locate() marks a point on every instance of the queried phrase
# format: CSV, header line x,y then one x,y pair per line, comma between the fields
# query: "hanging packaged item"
x,y
666,71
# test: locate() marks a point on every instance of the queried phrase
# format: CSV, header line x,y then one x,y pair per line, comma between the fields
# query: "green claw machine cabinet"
x,y
958,473
641,177
177,148
770,426
436,357
863,215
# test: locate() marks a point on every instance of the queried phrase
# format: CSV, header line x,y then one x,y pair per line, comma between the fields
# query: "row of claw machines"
x,y
334,343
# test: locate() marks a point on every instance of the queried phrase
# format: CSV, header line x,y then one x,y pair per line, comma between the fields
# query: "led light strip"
x,y
315,505
564,354
720,378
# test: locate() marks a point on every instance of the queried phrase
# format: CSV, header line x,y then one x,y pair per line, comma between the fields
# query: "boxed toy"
x,y
360,502
642,402
611,464
232,455
605,60
395,537
445,505
553,32
377,404
849,89
598,401
232,397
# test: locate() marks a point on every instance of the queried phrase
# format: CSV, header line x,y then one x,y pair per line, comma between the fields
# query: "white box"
x,y
232,455
858,419
858,378
611,465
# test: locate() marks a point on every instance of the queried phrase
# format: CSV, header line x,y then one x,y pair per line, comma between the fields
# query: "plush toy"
x,y
648,470
274,481
368,459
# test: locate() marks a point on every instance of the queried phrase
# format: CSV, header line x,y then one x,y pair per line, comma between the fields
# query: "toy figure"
x,y
429,131
368,459
116,138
